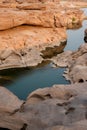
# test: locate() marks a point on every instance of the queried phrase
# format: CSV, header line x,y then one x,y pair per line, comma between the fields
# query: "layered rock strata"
x,y
30,30
45,15
22,46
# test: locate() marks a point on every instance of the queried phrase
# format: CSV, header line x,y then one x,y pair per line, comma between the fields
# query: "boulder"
x,y
9,105
9,102
57,107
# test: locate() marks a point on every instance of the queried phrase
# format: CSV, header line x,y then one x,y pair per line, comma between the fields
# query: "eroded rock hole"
x,y
63,104
81,80
70,110
48,96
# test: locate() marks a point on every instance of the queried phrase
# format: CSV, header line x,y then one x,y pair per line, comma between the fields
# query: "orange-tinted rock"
x,y
45,15
28,1
22,46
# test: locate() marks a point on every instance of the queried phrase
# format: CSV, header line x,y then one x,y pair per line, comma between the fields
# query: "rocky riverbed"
x,y
31,32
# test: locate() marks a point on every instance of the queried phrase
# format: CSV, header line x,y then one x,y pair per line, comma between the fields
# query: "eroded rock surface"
x,y
13,103
23,45
59,107
62,106
30,1
9,104
50,17
76,63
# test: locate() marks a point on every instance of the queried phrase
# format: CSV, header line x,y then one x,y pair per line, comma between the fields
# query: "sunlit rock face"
x,y
22,46
29,1
32,31
37,16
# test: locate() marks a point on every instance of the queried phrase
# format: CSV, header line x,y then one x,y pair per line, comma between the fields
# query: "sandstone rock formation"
x,y
76,63
9,104
28,1
48,16
24,45
58,107
62,107
28,31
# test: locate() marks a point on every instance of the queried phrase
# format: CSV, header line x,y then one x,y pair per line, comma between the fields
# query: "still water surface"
x,y
23,81
76,36
30,80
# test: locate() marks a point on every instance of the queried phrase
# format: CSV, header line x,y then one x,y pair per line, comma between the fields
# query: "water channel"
x,y
23,81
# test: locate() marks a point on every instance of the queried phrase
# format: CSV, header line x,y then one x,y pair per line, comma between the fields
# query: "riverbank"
x,y
22,45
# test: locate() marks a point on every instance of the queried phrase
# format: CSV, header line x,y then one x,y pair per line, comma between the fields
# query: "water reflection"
x,y
75,37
